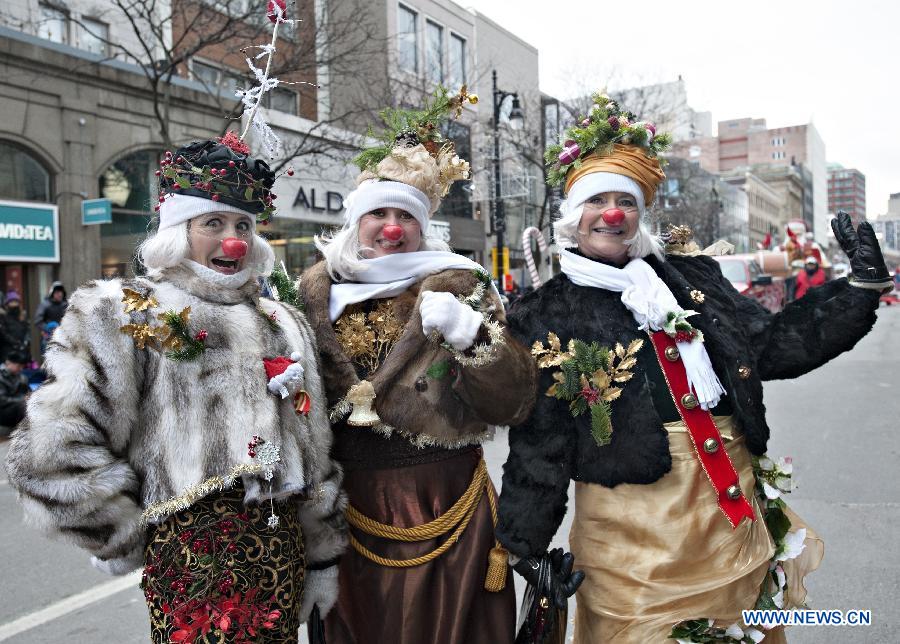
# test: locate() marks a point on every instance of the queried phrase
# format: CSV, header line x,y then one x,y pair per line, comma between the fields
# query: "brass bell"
x,y
362,396
710,446
733,492
672,354
689,401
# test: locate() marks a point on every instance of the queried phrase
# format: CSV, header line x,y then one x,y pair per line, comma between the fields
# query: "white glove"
x,y
456,321
320,588
120,565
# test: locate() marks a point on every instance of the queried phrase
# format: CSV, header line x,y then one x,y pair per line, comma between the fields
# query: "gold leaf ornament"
x,y
597,386
135,301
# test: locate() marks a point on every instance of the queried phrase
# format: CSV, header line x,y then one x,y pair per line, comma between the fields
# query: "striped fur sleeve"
x,y
322,515
69,457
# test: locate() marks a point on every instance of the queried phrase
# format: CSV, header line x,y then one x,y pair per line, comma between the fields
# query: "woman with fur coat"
x,y
650,398
182,425
417,363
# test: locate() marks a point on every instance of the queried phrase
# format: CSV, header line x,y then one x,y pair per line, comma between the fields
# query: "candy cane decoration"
x,y
529,232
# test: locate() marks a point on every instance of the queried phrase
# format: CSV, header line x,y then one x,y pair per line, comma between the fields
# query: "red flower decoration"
x,y
273,15
590,395
201,335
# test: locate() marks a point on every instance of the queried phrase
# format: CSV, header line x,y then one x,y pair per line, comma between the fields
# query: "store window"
x,y
130,184
292,241
22,176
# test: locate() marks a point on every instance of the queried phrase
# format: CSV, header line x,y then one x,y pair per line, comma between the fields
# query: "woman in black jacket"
x,y
652,365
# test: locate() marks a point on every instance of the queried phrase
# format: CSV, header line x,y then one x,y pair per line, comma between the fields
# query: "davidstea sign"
x,y
28,232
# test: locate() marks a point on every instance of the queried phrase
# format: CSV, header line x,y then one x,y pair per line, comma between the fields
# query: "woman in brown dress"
x,y
417,364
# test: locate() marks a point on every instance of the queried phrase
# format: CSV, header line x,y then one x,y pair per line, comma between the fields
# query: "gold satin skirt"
x,y
655,555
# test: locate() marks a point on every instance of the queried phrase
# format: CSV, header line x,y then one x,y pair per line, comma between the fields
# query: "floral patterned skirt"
x,y
216,572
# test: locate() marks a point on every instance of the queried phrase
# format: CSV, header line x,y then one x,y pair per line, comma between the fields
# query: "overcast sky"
x,y
831,63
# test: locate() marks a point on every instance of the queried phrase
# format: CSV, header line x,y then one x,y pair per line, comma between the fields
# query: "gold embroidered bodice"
x,y
367,333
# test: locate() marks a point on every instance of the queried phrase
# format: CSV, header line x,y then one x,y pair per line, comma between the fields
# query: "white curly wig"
x,y
565,229
343,252
171,246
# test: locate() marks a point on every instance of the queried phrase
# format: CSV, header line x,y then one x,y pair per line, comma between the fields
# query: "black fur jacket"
x,y
746,344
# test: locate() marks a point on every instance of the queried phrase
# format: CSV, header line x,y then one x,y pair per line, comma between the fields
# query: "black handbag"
x,y
540,621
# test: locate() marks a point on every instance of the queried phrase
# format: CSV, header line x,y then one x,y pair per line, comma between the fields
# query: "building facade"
x,y
84,119
747,143
847,192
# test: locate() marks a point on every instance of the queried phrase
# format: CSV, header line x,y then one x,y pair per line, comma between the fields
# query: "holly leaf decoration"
x,y
438,370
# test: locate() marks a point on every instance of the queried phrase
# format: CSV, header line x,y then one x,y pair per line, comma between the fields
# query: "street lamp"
x,y
516,121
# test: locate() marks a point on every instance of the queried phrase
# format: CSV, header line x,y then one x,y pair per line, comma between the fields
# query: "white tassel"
x,y
700,374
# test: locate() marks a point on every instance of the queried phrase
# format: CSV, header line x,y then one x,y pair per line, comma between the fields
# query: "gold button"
x,y
744,372
697,296
689,401
672,354
710,446
733,492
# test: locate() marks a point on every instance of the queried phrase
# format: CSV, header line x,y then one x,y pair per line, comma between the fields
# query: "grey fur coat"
x,y
116,429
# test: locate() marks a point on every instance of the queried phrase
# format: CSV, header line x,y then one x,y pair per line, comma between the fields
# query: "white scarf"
x,y
216,278
649,300
390,275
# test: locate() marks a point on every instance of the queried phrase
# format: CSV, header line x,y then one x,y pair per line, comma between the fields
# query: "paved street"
x,y
839,424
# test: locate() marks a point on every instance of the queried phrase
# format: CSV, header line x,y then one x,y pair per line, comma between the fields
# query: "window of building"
x,y
215,78
456,70
434,50
93,36
458,201
407,51
54,24
282,100
22,176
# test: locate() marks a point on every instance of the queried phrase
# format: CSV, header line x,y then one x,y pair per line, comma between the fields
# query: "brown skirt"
x,y
440,602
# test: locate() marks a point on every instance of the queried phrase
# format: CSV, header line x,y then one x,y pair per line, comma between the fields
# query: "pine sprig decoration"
x,y
181,346
588,377
284,289
597,133
409,125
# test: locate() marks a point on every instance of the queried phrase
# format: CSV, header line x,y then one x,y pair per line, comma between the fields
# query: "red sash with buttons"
x,y
703,432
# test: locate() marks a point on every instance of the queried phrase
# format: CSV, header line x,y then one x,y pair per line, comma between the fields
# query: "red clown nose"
x,y
392,232
613,217
234,248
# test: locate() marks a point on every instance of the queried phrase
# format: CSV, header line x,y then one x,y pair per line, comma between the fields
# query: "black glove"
x,y
559,582
862,249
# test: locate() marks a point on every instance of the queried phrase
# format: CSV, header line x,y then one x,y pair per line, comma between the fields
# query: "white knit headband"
x,y
374,194
177,209
599,182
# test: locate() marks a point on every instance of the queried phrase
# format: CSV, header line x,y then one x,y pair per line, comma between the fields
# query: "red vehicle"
x,y
745,274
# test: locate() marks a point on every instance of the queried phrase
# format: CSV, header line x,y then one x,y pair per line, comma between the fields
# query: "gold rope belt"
x,y
456,519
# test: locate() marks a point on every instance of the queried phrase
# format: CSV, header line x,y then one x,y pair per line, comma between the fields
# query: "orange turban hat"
x,y
627,160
